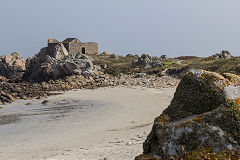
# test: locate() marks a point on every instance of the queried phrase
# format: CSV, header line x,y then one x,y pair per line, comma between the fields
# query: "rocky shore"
x,y
45,72
10,91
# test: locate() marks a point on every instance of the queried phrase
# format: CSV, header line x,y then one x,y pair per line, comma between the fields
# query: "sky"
x,y
171,27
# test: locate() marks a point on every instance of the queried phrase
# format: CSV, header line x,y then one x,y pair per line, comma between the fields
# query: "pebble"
x,y
29,103
129,143
45,102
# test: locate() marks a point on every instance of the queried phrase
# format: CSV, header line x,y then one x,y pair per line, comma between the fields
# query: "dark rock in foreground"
x,y
204,113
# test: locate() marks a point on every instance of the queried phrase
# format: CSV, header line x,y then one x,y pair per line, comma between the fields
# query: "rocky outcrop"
x,y
146,61
12,65
223,55
114,56
204,113
43,66
163,57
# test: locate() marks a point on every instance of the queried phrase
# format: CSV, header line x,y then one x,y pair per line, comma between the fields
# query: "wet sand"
x,y
107,123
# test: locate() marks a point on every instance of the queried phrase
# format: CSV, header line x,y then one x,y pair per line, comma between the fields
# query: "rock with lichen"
x,y
204,113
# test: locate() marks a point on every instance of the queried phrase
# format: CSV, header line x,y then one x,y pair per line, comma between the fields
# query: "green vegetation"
x,y
123,64
231,65
167,64
115,66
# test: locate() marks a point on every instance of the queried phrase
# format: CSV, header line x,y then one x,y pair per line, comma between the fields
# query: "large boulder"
x,y
223,55
204,113
60,51
43,66
12,65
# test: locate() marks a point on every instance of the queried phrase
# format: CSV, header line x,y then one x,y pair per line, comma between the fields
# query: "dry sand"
x,y
107,123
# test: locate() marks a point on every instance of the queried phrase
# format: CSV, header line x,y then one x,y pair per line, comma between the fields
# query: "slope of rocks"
x,y
204,113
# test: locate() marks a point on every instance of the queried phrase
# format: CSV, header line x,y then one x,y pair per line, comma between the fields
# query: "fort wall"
x,y
91,48
75,47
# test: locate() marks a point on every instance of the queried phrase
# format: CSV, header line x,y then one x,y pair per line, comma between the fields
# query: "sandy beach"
x,y
107,123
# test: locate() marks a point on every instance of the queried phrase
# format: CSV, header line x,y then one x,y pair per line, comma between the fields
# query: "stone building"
x,y
74,46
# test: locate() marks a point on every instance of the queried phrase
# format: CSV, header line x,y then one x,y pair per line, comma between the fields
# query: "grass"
x,y
115,66
231,65
124,64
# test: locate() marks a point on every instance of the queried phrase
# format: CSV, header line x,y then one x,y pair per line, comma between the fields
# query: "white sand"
x,y
113,128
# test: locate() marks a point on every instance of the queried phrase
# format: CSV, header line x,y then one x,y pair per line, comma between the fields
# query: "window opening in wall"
x,y
83,50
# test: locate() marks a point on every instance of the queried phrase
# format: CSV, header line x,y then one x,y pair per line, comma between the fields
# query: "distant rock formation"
x,y
43,66
146,61
163,57
12,65
114,56
204,113
223,55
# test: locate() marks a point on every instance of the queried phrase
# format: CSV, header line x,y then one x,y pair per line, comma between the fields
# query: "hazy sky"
x,y
172,27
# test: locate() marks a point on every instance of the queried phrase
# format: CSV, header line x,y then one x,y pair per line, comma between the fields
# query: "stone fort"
x,y
74,46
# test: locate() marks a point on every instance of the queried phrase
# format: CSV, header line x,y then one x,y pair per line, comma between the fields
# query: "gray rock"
x,y
88,73
198,116
138,75
43,66
12,65
156,63
114,56
163,57
60,51
147,61
223,55
97,67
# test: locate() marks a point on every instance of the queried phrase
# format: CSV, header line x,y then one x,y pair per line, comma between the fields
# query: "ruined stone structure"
x,y
74,46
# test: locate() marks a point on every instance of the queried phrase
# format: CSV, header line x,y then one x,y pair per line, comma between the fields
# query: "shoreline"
x,y
12,91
